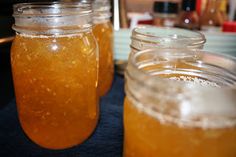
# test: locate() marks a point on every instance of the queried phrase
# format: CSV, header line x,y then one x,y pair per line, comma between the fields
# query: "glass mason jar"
x,y
54,59
144,37
180,102
103,31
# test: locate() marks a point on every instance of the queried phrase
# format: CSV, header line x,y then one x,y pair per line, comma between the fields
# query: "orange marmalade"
x,y
145,135
104,34
179,103
55,80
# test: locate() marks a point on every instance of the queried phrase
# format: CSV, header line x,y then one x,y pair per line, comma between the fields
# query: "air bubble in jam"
x,y
196,81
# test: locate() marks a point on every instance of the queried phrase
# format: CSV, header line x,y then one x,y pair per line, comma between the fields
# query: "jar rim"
x,y
32,9
101,11
101,5
225,63
158,35
52,18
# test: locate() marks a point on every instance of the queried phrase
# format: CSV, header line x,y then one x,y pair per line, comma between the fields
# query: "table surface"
x,y
106,140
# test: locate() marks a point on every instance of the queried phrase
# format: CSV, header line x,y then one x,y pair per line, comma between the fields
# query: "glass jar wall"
x,y
103,31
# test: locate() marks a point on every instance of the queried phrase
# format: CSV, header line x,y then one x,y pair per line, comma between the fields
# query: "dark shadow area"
x,y
6,84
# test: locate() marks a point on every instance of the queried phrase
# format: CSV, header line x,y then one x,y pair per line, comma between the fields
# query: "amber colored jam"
x,y
104,34
55,80
148,136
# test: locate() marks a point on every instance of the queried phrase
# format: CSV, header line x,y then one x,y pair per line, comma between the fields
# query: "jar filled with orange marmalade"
x,y
180,103
103,31
54,59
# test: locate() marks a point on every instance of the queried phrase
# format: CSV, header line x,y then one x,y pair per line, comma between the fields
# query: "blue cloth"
x,y
106,141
